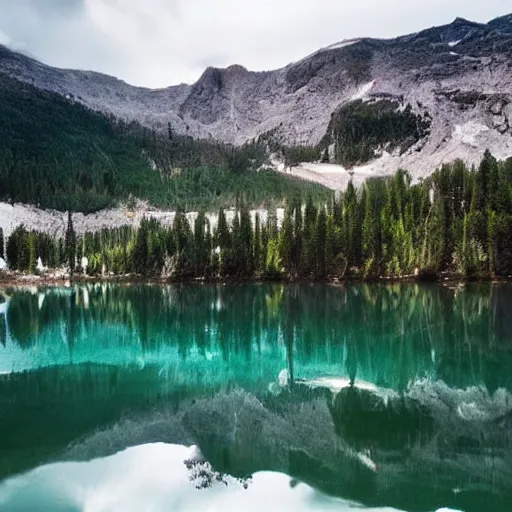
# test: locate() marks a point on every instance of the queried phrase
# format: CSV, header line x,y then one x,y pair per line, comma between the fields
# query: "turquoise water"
x,y
385,396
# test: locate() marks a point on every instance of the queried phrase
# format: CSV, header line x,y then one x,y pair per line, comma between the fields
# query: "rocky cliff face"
x,y
458,75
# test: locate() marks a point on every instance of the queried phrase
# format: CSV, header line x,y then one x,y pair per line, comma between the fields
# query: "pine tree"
x,y
371,230
308,263
32,258
286,240
183,242
200,245
156,248
320,242
296,252
351,225
246,242
272,260
17,251
257,245
234,264
272,229
331,249
140,254
70,244
223,238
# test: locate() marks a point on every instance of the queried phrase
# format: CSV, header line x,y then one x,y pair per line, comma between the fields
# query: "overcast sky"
x,y
162,42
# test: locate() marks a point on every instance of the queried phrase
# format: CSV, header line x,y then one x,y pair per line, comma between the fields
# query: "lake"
x,y
256,396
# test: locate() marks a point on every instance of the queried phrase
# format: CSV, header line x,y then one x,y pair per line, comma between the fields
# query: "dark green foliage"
x,y
294,155
140,255
32,260
389,227
359,129
71,244
207,188
183,242
246,266
320,239
17,251
56,153
202,244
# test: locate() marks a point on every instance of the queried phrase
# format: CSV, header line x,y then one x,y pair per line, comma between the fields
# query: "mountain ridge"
x,y
460,74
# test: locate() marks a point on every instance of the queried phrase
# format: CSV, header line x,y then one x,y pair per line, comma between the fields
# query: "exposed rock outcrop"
x,y
459,75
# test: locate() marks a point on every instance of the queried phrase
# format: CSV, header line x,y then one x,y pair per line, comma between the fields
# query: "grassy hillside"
x,y
58,154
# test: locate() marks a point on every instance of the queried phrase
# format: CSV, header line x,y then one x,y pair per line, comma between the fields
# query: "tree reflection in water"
x,y
423,418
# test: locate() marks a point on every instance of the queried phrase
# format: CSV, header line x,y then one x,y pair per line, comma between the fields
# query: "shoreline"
x,y
17,279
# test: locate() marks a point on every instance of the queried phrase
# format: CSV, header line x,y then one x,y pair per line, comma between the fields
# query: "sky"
x,y
156,43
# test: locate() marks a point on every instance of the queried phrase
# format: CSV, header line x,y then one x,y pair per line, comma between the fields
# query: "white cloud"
x,y
4,39
160,42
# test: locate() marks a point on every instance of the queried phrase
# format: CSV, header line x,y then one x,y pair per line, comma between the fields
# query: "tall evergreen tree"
x,y
320,242
184,243
201,246
223,237
140,254
32,258
308,263
246,242
70,244
257,245
286,240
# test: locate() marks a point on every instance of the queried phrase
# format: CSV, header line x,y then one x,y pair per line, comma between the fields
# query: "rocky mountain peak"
x,y
503,23
458,21
457,76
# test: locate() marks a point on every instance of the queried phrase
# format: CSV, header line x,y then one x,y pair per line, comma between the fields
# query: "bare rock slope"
x,y
458,75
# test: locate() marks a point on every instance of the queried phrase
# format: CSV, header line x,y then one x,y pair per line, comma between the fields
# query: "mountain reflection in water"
x,y
392,395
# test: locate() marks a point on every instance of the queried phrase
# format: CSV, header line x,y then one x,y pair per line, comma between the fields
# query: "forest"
x,y
457,221
360,130
56,153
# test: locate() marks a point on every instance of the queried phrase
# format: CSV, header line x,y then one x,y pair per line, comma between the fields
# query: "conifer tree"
x,y
223,238
258,244
351,225
246,242
200,245
140,255
308,264
32,258
70,244
17,251
331,244
320,242
184,243
286,240
234,261
371,229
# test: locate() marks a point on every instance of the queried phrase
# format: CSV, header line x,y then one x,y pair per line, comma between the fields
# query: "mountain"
x,y
57,153
418,100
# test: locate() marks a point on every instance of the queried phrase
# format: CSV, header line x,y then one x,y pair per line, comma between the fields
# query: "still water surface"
x,y
276,397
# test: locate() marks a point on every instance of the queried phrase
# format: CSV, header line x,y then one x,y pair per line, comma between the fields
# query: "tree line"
x,y
457,221
360,130
56,153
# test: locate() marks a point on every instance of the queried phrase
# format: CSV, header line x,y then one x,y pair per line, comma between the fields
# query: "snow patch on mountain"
x,y
363,91
341,44
468,99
